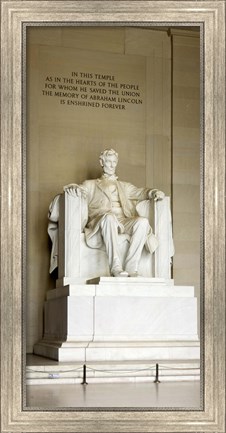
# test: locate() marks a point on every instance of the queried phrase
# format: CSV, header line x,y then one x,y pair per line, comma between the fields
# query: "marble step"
x,y
43,372
131,287
118,351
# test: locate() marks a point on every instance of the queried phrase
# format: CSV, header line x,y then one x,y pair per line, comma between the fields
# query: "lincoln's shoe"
x,y
117,272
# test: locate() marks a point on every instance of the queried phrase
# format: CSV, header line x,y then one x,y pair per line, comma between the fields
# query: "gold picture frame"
x,y
211,14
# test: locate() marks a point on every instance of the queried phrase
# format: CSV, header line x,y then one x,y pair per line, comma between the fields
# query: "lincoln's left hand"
x,y
156,194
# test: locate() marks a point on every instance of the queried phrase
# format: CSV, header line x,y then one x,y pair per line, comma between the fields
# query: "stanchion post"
x,y
156,374
84,376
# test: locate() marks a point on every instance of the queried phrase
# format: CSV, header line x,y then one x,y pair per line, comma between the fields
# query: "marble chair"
x,y
77,262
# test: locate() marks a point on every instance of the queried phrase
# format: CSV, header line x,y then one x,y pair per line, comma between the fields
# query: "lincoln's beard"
x,y
109,176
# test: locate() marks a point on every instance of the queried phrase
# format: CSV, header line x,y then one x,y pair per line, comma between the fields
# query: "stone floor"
x,y
118,395
42,392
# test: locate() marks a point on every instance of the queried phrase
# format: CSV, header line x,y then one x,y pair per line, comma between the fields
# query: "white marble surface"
x,y
128,351
145,318
120,322
138,290
163,232
115,281
134,287
69,317
142,353
69,233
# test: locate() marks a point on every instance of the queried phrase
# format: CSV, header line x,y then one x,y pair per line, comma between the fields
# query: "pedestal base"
x,y
126,351
120,320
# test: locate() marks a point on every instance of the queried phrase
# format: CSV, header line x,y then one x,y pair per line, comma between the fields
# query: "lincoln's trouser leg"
x,y
109,231
138,229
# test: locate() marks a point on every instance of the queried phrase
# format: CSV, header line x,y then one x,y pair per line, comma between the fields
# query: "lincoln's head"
x,y
108,161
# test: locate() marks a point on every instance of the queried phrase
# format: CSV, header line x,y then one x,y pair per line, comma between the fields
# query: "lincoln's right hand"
x,y
75,190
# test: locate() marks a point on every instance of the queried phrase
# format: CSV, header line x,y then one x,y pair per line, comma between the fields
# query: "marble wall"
x,y
64,139
186,157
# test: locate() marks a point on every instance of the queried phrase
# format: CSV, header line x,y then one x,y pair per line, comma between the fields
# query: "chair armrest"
x,y
73,216
163,232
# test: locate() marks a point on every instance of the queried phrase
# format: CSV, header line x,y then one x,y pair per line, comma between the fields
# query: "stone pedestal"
x,y
120,319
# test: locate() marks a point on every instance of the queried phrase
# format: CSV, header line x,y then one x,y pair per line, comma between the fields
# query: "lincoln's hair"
x,y
105,154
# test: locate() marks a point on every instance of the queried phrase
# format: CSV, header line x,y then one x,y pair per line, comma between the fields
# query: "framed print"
x,y
144,79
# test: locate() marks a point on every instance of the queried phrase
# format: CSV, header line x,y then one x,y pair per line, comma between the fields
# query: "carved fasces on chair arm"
x,y
73,218
80,205
163,231
67,211
76,204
